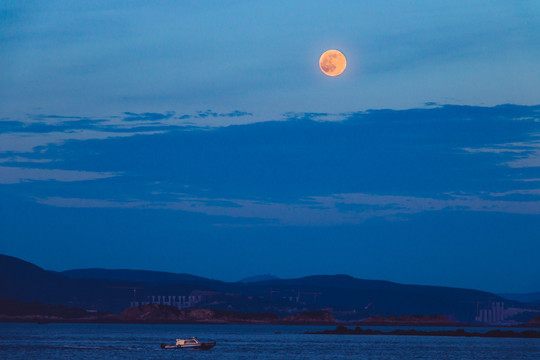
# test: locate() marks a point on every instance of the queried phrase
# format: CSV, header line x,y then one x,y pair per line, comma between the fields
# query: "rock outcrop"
x,y
533,323
311,317
412,320
342,330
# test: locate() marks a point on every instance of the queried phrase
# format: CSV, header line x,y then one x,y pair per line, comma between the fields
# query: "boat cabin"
x,y
187,342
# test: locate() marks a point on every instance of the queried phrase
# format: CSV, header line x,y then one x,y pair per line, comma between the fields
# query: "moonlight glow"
x,y
332,62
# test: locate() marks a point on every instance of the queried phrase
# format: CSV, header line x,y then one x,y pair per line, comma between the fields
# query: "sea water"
x,y
119,341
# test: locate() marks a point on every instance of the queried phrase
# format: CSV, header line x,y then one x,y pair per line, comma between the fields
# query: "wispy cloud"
x,y
213,114
527,154
50,123
56,117
317,116
14,175
22,159
535,192
29,141
314,211
148,116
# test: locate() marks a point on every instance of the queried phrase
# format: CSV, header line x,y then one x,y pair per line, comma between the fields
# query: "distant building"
x,y
179,301
496,314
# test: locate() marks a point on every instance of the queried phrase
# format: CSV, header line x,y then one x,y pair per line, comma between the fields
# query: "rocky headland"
x,y
532,324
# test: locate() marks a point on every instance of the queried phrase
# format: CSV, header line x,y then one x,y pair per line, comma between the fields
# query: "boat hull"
x,y
201,346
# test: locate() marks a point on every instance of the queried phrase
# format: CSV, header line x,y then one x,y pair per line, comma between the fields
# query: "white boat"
x,y
192,343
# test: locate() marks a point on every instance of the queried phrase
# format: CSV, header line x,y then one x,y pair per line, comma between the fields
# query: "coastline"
x,y
164,314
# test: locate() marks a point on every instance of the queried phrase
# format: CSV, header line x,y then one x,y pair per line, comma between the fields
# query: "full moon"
x,y
332,62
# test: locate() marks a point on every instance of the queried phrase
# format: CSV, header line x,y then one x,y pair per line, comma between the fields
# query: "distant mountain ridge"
x,y
145,276
258,278
24,281
531,298
348,298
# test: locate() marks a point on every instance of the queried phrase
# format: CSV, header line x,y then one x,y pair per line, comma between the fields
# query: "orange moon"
x,y
332,62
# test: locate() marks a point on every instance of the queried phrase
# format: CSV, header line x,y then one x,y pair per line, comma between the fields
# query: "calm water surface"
x,y
96,341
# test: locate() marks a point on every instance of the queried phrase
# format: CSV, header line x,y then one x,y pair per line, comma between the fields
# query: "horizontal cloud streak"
x,y
148,116
527,153
14,175
332,210
27,142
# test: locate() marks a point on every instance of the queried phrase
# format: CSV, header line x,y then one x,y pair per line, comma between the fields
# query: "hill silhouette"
x,y
258,278
142,276
349,298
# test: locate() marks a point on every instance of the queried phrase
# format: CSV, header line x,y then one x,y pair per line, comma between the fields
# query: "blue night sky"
x,y
201,137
